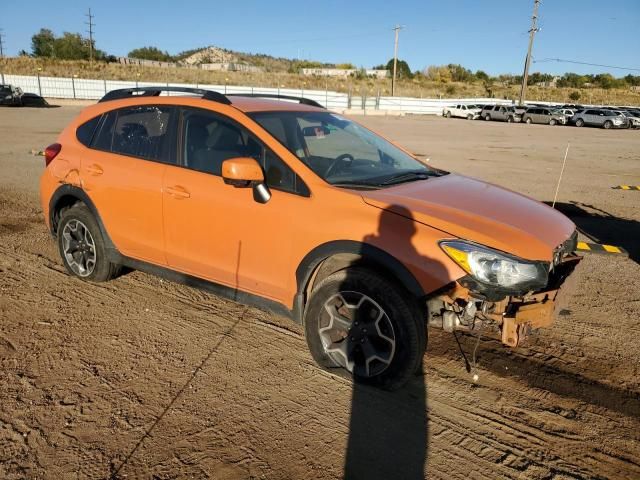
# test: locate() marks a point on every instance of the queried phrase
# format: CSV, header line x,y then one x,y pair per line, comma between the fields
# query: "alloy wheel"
x,y
79,248
357,334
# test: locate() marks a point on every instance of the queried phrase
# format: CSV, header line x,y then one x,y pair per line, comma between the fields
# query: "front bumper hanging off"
x,y
460,309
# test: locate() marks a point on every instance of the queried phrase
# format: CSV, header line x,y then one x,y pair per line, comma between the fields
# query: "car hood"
x,y
473,210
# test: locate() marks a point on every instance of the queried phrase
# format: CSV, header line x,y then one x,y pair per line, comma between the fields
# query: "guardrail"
x,y
87,89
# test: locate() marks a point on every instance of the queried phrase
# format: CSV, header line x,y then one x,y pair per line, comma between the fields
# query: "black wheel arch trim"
x,y
320,253
67,190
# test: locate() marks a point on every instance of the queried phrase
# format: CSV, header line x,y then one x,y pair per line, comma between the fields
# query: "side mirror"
x,y
243,172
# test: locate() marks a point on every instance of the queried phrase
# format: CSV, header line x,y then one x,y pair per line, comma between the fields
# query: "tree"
x,y
438,73
71,46
575,96
632,80
402,69
151,53
537,77
459,73
42,43
482,76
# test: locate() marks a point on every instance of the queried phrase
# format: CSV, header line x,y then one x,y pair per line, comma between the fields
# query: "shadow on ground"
x,y
535,369
602,227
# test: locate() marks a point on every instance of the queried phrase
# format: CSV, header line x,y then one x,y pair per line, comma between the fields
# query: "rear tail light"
x,y
51,152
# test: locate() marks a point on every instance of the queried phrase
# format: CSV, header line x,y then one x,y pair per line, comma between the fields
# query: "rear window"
x,y
85,132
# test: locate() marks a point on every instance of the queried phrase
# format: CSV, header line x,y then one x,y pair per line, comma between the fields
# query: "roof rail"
x,y
155,91
302,100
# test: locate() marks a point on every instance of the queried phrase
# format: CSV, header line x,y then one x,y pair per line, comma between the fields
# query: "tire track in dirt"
x,y
88,368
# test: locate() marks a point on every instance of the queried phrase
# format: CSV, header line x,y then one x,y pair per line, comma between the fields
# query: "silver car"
x,y
544,115
598,118
505,113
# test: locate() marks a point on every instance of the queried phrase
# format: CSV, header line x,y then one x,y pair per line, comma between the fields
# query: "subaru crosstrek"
x,y
282,204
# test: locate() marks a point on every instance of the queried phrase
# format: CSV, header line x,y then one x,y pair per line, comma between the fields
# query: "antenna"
x,y
90,32
564,162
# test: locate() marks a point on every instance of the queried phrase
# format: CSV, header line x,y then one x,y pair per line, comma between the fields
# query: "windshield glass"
x,y
341,151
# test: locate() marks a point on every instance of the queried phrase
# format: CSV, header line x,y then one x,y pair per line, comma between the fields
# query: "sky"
x,y
489,35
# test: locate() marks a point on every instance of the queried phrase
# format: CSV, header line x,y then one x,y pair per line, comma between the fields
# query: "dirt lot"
x,y
142,378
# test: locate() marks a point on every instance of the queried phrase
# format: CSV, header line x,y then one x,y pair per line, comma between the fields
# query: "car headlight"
x,y
497,269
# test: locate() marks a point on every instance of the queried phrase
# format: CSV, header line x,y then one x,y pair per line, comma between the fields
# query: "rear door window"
x,y
141,131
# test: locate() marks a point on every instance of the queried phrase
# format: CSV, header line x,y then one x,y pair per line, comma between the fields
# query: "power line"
x,y
585,63
91,32
396,29
532,33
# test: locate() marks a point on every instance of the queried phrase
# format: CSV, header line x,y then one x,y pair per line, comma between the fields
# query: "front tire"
x,y
579,122
82,247
470,117
608,124
359,321
528,121
487,117
552,122
448,115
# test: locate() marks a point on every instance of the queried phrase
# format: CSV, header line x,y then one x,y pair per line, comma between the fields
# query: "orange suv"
x,y
279,203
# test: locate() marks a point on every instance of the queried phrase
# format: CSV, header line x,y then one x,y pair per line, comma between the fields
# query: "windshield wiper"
x,y
357,183
410,176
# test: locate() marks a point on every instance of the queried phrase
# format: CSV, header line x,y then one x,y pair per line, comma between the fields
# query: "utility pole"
x,y
90,31
397,28
527,62
1,55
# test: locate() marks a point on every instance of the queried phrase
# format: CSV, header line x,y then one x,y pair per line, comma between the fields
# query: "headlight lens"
x,y
496,268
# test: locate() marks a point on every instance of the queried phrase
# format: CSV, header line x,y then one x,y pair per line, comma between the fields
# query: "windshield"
x,y
340,151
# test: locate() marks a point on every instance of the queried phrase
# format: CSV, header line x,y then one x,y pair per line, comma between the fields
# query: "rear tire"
x,y
82,247
579,122
608,124
340,310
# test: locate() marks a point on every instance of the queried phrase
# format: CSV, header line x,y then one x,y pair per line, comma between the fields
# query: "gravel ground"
x,y
143,378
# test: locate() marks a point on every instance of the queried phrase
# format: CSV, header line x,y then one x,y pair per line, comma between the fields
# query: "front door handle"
x,y
177,192
94,170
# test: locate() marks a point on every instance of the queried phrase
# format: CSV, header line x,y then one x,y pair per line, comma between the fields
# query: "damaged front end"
x,y
468,305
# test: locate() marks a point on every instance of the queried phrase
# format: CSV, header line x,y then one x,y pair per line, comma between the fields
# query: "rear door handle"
x,y
94,170
177,192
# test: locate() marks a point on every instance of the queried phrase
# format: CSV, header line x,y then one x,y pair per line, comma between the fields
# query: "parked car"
x,y
598,118
293,208
632,118
505,113
568,112
470,112
544,115
15,97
